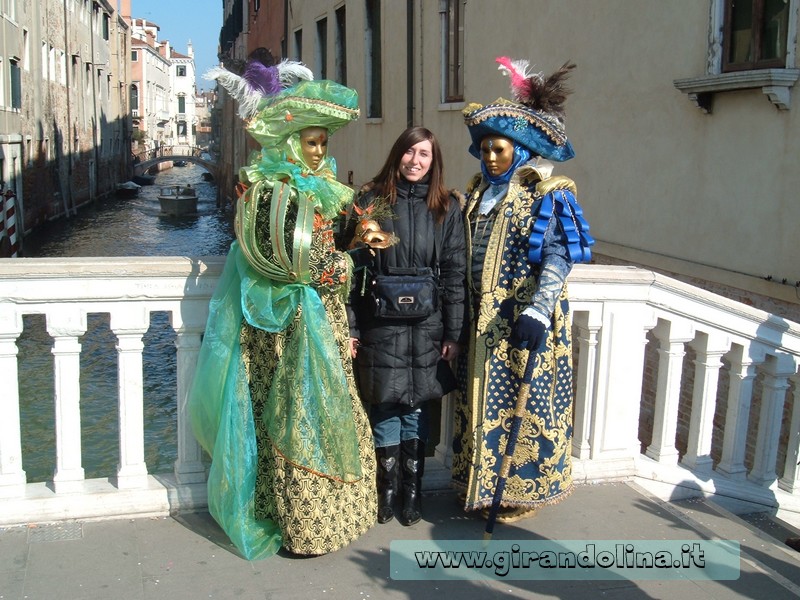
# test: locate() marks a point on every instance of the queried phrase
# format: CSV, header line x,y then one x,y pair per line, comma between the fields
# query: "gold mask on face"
x,y
497,153
314,145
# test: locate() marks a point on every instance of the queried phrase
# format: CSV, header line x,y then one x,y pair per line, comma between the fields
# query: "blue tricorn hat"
x,y
535,119
539,132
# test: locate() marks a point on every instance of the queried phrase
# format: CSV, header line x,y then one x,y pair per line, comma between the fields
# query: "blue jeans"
x,y
393,423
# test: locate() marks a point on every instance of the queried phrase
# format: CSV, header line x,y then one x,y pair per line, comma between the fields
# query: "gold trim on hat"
x,y
550,125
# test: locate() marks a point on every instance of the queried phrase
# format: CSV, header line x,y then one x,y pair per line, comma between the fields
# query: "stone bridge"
x,y
194,154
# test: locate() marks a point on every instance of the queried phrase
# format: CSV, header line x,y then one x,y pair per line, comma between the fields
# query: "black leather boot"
x,y
412,456
386,475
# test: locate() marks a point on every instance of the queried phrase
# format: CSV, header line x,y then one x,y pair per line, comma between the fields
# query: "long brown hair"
x,y
385,182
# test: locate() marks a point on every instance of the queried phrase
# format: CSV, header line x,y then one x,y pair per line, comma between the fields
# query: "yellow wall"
x,y
662,183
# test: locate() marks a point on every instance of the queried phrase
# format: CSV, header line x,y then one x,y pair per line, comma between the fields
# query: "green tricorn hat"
x,y
315,103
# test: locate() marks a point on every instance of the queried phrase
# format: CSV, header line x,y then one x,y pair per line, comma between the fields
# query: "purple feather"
x,y
262,78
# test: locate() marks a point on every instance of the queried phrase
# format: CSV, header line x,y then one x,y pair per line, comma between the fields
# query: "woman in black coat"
x,y
409,220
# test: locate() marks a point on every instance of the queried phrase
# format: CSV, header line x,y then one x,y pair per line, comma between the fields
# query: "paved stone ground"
x,y
187,556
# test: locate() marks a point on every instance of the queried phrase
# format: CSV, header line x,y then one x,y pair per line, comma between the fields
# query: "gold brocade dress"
x,y
316,514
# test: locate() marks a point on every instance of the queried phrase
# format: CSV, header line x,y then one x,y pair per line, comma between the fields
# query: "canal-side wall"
x,y
72,123
619,313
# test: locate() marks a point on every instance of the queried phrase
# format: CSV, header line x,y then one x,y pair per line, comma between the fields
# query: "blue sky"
x,y
184,20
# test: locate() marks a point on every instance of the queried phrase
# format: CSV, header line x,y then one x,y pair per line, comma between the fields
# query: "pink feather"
x,y
517,71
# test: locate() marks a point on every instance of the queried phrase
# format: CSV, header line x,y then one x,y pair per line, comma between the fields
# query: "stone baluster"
x,y
65,326
444,449
614,426
744,362
129,323
189,467
672,338
777,370
12,477
588,325
790,481
709,348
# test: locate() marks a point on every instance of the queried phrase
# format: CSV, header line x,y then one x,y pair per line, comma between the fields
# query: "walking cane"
x,y
513,434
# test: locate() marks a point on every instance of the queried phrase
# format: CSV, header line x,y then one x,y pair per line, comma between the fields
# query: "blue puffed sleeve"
x,y
559,238
563,205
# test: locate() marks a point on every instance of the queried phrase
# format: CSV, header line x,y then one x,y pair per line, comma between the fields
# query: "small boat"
x,y
144,179
179,163
129,189
178,200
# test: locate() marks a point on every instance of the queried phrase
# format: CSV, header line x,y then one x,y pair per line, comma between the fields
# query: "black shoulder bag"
x,y
406,294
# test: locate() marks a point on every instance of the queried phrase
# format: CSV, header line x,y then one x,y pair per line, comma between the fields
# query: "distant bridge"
x,y
194,154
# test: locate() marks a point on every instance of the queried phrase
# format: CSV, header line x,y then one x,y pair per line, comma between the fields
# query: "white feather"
x,y
238,88
519,68
289,71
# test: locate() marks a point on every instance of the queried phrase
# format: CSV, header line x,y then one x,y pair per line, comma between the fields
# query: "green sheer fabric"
x,y
309,412
222,418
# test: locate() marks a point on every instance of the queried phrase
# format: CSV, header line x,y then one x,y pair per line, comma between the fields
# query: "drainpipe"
x,y
69,201
95,125
285,48
409,63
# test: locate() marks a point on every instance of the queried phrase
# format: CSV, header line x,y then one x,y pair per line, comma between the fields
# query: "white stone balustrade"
x,y
614,309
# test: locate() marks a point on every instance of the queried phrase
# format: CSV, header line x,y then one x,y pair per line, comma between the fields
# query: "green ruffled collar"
x,y
328,194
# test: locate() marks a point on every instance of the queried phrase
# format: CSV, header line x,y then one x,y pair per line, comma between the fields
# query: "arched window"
x,y
134,98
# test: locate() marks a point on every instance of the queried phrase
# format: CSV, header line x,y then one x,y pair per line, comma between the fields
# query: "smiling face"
x,y
314,144
416,161
497,153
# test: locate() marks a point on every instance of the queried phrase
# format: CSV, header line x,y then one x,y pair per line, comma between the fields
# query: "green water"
x,y
114,227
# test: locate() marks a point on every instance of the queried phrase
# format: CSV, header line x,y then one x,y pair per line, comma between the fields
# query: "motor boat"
x,y
129,189
144,179
178,200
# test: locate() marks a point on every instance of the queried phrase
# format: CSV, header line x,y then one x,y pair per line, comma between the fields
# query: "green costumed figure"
x,y
525,230
274,400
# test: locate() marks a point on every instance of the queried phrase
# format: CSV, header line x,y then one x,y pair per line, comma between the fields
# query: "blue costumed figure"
x,y
525,230
274,400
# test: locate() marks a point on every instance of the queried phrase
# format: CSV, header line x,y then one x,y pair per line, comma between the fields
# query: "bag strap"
x,y
437,242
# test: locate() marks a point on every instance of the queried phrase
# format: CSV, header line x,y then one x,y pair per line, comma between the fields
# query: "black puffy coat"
x,y
397,362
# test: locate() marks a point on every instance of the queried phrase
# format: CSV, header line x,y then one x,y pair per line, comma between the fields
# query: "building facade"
x,y
182,104
233,143
683,116
150,87
63,105
205,103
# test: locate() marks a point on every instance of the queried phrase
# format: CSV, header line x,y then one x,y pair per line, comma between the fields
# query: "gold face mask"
x,y
314,145
370,232
497,153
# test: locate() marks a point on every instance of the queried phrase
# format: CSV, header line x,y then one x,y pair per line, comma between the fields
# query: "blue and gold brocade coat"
x,y
491,370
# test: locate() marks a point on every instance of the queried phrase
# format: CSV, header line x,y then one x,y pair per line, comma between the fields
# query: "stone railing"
x,y
643,408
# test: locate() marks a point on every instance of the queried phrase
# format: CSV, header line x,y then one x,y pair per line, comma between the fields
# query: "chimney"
x,y
125,10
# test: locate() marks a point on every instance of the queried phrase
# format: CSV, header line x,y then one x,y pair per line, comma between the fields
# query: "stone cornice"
x,y
776,84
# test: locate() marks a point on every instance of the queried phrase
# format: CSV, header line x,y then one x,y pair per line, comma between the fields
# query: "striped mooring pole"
x,y
10,221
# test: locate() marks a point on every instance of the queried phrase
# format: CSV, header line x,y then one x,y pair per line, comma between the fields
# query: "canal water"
x,y
115,227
